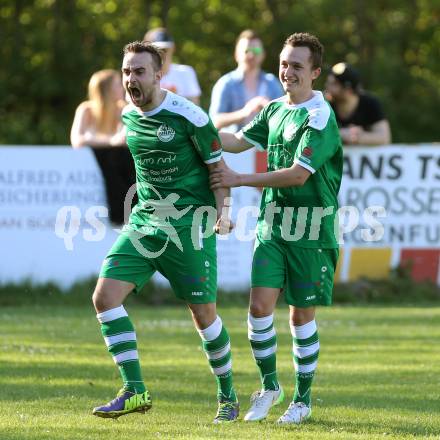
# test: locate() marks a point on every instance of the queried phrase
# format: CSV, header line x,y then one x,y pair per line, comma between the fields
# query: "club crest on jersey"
x,y
165,133
290,131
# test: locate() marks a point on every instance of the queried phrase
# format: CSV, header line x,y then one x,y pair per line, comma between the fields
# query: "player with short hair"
x,y
296,247
174,146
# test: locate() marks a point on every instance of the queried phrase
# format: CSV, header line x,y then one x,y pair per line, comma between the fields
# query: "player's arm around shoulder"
x,y
234,142
239,141
294,176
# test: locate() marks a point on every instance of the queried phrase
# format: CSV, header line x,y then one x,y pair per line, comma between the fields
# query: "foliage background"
x,y
50,48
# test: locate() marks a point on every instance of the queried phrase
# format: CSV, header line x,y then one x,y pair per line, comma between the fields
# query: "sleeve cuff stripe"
x,y
254,143
215,159
307,167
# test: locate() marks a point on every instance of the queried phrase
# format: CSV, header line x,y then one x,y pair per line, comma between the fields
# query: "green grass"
x,y
378,375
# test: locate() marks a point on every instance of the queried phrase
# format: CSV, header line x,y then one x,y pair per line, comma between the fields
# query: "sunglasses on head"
x,y
255,50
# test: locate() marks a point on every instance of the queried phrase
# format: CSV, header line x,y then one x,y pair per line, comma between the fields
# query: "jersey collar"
x,y
158,108
317,98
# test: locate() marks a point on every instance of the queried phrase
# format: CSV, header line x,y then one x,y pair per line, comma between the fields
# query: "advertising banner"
x,y
54,219
393,197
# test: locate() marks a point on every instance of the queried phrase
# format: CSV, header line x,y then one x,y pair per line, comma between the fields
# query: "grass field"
x,y
378,376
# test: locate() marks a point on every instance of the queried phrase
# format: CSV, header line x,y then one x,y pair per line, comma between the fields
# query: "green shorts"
x,y
305,274
192,271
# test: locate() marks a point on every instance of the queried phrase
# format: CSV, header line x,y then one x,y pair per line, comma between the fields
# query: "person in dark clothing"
x,y
117,168
359,114
97,124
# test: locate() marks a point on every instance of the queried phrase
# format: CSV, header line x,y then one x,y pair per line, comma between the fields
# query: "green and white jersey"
x,y
306,134
171,146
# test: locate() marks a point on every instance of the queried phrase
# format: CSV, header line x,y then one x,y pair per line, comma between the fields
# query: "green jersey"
x,y
171,146
306,134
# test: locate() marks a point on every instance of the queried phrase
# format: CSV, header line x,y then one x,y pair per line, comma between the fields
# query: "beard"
x,y
141,97
148,98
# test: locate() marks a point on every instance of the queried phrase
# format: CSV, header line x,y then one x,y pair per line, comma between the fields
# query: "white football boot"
x,y
296,413
262,401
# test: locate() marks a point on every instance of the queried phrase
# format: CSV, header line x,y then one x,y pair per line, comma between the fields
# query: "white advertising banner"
x,y
405,182
35,185
390,199
54,223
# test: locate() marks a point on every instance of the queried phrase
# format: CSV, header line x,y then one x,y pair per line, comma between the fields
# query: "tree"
x,y
50,49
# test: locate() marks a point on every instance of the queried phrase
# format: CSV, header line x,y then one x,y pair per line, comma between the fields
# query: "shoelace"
x,y
113,401
259,398
224,410
121,392
293,405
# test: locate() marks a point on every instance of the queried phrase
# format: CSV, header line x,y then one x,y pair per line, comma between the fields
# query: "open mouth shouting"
x,y
135,93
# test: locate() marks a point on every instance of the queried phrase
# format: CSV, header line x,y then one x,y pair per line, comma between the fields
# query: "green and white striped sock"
x,y
217,346
263,339
120,338
305,359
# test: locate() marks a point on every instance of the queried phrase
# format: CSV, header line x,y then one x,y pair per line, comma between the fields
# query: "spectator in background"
x,y
177,78
97,124
239,95
359,115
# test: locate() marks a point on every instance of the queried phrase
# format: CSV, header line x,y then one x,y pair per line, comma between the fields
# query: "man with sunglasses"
x,y
239,95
